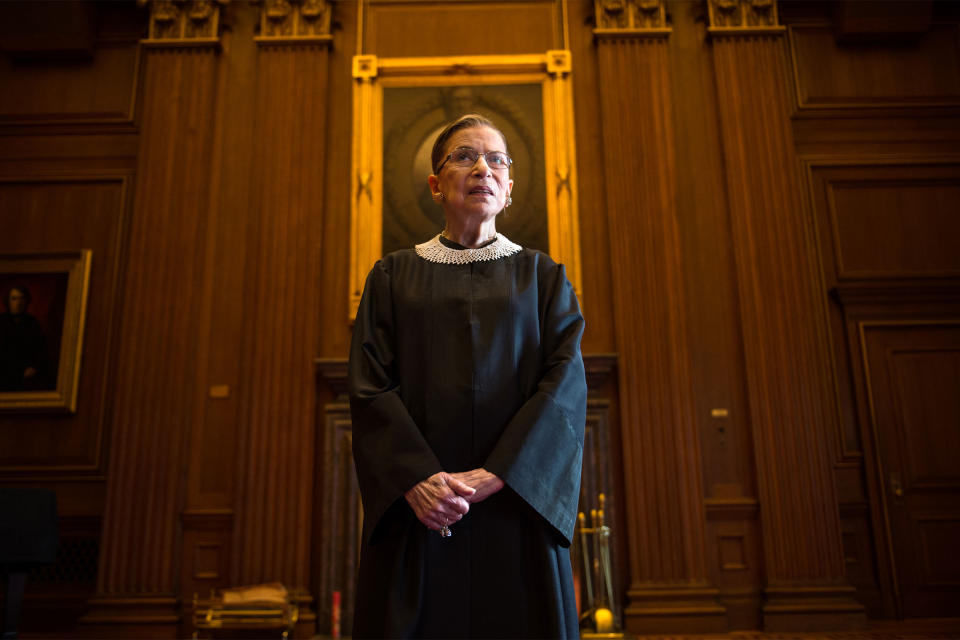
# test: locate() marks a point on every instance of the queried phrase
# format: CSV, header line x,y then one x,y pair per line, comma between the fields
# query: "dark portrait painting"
x,y
43,301
31,326
412,118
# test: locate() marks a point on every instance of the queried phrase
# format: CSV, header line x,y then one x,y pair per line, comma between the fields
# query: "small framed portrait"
x,y
42,313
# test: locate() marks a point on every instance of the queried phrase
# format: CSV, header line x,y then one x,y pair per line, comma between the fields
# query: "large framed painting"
x,y
399,107
42,315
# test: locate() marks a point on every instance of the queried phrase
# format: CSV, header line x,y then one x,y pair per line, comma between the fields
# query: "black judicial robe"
x,y
455,367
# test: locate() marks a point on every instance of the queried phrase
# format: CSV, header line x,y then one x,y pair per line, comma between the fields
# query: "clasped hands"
x,y
444,498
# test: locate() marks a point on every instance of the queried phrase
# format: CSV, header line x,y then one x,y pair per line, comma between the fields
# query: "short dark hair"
x,y
468,121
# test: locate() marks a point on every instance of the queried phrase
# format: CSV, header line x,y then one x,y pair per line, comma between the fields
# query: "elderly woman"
x,y
468,401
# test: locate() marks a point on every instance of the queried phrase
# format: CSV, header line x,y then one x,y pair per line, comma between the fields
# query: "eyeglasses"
x,y
467,157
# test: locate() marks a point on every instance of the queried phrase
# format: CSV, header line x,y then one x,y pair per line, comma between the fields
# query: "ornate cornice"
x,y
294,22
743,17
183,23
631,19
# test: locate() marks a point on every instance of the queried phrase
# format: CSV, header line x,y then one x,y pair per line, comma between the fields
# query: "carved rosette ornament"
x,y
630,17
743,16
294,21
183,22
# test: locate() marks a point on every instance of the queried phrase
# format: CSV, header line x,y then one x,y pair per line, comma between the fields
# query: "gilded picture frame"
x,y
42,317
399,104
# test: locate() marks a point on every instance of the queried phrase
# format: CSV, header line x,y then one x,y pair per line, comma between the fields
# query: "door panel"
x,y
913,387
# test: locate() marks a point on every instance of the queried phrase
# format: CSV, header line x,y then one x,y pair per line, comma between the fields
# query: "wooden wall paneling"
x,y
831,75
865,204
595,299
102,93
783,319
736,565
461,28
57,212
276,481
60,194
339,519
58,85
154,389
670,586
887,220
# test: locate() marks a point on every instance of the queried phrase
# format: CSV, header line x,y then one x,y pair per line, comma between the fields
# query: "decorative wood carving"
x,y
183,22
750,16
788,379
626,17
294,21
156,366
670,587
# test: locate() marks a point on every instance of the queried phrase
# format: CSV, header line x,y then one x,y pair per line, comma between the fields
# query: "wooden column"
x,y
156,366
791,408
276,485
665,515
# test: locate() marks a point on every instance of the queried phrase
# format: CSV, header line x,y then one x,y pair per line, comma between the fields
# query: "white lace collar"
x,y
435,251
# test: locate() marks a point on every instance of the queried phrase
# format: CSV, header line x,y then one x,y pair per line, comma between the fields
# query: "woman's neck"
x,y
471,235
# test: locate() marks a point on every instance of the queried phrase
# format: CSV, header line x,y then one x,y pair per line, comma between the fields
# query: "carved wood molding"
x,y
631,19
183,23
294,22
743,18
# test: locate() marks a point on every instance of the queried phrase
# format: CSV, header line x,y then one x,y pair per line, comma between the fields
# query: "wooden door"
x,y
913,390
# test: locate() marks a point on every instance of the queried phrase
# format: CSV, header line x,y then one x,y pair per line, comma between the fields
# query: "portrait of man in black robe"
x,y
24,360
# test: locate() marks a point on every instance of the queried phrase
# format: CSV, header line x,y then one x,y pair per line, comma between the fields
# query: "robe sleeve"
x,y
540,452
389,451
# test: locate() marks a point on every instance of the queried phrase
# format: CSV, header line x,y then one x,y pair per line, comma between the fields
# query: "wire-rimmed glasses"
x,y
467,157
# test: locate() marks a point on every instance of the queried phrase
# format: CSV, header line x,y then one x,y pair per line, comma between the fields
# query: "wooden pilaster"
x,y
669,585
276,489
157,369
791,408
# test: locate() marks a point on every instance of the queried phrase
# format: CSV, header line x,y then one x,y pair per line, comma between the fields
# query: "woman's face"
x,y
478,191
